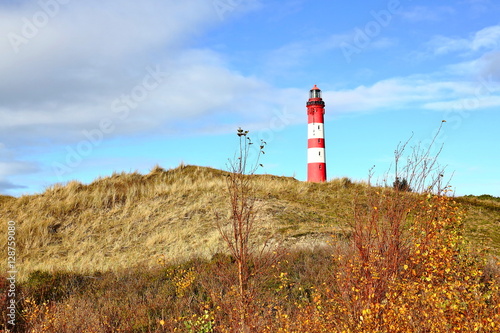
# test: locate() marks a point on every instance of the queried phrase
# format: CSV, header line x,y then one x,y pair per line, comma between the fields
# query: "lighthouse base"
x,y
316,172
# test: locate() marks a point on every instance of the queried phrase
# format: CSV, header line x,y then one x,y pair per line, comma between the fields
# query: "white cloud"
x,y
6,186
422,13
486,39
107,28
301,53
415,92
491,65
16,167
12,168
383,43
486,66
471,103
68,76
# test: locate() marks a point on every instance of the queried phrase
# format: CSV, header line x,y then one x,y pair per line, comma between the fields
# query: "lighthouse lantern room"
x,y
316,162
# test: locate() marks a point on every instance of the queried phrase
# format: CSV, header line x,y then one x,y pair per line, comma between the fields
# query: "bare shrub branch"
x,y
381,241
421,173
237,229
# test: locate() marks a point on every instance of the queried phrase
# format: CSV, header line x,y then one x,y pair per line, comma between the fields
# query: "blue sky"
x,y
89,88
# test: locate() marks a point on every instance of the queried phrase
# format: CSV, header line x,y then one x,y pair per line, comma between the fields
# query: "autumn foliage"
x,y
424,279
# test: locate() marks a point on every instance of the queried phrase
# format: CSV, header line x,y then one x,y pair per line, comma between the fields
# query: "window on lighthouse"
x,y
315,93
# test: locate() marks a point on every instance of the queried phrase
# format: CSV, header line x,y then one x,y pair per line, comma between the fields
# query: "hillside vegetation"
x,y
129,219
143,253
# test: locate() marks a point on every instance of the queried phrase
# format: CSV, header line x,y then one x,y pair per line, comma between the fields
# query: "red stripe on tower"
x,y
316,165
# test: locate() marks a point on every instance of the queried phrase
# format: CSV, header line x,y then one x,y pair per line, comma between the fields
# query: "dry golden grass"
x,y
129,219
5,198
483,220
118,221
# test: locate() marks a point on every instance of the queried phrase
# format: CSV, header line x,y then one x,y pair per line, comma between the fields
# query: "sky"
x,y
88,88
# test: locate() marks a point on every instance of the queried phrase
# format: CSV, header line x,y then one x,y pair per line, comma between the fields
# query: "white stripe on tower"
x,y
316,155
315,131
315,143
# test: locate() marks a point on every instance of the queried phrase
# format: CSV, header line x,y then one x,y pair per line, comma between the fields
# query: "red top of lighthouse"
x,y
315,97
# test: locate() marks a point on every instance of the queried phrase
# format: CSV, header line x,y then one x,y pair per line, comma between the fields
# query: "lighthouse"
x,y
316,163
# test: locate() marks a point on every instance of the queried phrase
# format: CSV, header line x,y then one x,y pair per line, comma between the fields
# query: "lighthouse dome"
x,y
315,92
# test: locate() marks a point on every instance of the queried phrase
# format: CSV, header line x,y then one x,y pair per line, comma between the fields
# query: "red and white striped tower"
x,y
316,165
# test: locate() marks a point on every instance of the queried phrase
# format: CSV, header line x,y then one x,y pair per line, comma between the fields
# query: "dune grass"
x,y
130,219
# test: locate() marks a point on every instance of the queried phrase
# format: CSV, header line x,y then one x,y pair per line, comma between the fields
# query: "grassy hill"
x,y
87,258
130,219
